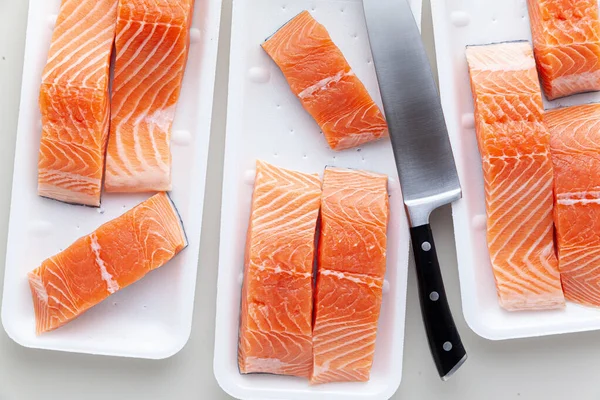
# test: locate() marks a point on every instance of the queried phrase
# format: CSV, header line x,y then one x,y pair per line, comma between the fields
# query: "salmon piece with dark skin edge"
x,y
351,270
321,78
152,44
514,144
74,102
112,257
566,38
275,333
575,146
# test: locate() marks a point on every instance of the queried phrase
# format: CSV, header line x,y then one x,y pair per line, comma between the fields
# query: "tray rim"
x,y
228,192
210,38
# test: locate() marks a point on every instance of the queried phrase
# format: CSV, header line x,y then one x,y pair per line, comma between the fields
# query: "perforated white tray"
x,y
265,121
458,23
152,318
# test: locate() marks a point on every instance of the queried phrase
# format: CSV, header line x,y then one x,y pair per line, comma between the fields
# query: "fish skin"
x,y
566,37
152,45
74,102
277,297
575,146
320,76
518,178
114,256
351,270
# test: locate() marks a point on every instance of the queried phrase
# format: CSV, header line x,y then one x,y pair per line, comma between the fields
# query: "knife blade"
x,y
423,158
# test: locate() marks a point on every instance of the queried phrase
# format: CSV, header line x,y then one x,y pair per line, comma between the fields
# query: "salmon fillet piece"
x,y
322,79
112,257
575,146
277,296
152,47
74,102
566,37
351,269
515,151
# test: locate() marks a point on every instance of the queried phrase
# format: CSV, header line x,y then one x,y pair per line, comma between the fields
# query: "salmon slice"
x,y
575,146
352,257
566,37
74,102
152,46
277,296
112,257
515,151
328,89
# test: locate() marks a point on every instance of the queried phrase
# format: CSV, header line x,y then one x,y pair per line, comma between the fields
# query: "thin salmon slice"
x,y
351,269
566,37
322,79
515,150
152,46
277,296
575,146
74,102
112,257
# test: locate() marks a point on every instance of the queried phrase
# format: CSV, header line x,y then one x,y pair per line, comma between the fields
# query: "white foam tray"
x,y
152,318
458,23
266,121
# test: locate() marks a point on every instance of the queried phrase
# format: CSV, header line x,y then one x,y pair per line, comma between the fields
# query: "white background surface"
x,y
548,368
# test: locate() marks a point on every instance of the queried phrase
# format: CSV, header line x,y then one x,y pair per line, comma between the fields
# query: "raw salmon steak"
x,y
114,256
351,268
575,146
515,151
152,46
328,89
277,296
566,37
74,102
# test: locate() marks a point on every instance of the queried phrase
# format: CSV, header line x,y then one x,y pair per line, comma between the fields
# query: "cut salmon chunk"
x,y
328,89
152,46
517,170
277,296
566,37
114,256
74,102
351,268
575,145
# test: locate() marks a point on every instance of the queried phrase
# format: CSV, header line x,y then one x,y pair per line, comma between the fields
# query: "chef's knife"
x,y
423,157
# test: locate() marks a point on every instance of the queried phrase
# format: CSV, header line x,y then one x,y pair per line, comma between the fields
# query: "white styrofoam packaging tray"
x,y
458,23
153,317
266,121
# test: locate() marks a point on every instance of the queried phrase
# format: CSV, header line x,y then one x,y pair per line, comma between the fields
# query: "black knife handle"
x,y
444,341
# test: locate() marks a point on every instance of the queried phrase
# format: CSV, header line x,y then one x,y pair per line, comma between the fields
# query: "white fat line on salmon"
x,y
584,80
323,83
38,285
73,15
351,278
569,199
487,158
320,369
161,118
61,177
501,57
268,364
111,284
279,270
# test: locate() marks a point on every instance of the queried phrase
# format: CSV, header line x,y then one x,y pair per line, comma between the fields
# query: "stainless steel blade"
x,y
412,108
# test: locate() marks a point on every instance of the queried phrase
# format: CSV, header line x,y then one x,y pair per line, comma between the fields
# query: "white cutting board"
x,y
458,23
153,317
266,121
